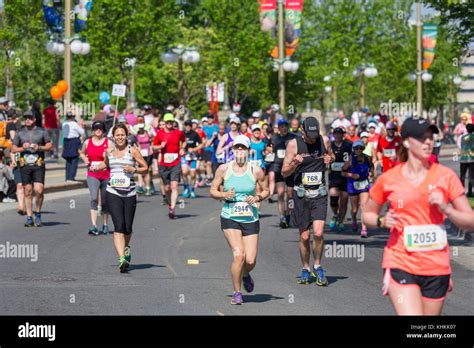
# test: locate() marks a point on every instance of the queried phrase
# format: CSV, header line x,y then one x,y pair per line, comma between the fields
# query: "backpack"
x,y
4,143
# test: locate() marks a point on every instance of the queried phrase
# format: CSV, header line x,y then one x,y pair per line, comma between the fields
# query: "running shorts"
x,y
169,174
433,288
306,210
32,174
247,228
207,156
191,164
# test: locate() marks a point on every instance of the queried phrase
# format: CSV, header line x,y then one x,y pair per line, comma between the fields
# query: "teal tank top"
x,y
244,185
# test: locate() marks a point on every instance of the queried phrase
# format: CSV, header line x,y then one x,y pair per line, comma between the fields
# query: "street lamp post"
x,y
67,51
362,71
181,55
419,83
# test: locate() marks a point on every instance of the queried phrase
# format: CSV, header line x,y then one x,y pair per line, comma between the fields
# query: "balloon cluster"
x,y
58,90
82,11
52,16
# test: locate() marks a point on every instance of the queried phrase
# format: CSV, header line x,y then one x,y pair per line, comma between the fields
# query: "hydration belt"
x,y
302,192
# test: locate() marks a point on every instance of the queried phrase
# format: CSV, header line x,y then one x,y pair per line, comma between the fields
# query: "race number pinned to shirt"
x,y
144,152
119,90
31,159
424,237
257,163
361,185
314,178
170,157
270,157
119,181
95,164
281,153
337,166
220,157
389,152
241,209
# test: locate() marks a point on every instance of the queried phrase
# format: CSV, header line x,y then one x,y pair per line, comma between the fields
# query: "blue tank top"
x,y
258,156
362,169
244,185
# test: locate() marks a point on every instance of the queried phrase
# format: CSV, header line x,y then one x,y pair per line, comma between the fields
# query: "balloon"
x,y
63,86
55,93
104,97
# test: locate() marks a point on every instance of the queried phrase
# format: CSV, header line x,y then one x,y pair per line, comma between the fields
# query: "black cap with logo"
x,y
414,127
311,127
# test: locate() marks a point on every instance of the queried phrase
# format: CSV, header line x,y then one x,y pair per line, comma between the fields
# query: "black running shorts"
x,y
32,174
246,228
169,174
306,210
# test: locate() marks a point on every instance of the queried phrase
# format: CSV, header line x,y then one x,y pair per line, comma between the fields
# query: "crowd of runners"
x,y
247,161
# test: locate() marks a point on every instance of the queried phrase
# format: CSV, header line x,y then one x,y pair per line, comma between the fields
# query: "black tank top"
x,y
311,173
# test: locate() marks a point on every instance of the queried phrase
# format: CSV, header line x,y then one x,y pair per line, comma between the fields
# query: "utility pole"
x,y
281,57
67,52
419,81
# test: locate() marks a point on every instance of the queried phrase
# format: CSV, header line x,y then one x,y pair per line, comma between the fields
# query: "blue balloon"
x,y
104,97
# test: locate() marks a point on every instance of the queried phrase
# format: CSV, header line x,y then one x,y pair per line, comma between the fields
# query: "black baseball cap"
x,y
339,130
311,127
98,125
11,113
146,107
414,127
188,123
28,114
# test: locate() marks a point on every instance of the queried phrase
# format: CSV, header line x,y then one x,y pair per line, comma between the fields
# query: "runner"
x,y
225,144
244,129
144,134
278,145
338,197
352,134
169,141
189,162
341,120
124,161
295,127
467,158
31,142
387,148
214,143
92,154
210,129
306,159
240,217
358,169
200,168
416,259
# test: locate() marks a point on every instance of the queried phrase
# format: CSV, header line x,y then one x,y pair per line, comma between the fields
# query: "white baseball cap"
x,y
256,126
256,114
275,107
236,107
235,119
204,119
195,121
242,140
364,134
372,125
3,100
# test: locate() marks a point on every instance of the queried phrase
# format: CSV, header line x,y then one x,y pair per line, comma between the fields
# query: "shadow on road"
x,y
53,223
145,266
334,279
48,212
259,298
184,216
263,216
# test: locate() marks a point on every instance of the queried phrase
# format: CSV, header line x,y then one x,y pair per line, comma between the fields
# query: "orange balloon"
x,y
63,86
55,93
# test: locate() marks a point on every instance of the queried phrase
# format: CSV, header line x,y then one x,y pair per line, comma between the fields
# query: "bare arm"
x,y
460,213
220,147
217,182
142,166
83,151
291,160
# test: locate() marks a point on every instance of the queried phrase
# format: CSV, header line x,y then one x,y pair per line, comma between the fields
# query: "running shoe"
x,y
140,190
208,183
171,214
38,222
165,201
186,193
271,200
93,231
237,298
340,228
21,212
283,222
200,183
319,276
333,223
305,277
9,200
248,283
29,222
148,192
105,229
123,264
128,255
363,232
355,227
193,195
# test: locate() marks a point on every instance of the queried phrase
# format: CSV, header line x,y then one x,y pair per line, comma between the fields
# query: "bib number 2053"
x,y
424,237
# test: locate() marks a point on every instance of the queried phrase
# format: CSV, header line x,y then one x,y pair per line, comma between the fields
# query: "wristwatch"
x,y
260,198
380,221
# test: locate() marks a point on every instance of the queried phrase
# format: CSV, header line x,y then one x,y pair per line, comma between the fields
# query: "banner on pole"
x,y
430,35
215,92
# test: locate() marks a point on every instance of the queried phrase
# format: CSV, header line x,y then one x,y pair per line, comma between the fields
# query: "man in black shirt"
x,y
189,162
278,144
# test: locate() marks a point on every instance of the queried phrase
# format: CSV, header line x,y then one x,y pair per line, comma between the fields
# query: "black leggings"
x,y
122,210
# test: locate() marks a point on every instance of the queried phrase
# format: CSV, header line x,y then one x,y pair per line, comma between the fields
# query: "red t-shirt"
x,y
388,149
202,135
352,139
50,117
413,209
170,154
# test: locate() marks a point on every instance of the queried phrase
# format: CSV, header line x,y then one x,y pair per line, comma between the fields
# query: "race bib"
x,y
31,159
95,163
270,157
312,178
389,152
337,166
257,163
281,153
424,237
241,209
119,181
221,157
170,157
361,185
144,152
188,157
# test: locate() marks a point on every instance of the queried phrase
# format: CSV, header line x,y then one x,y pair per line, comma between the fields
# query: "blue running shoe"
x,y
38,222
305,277
333,223
186,193
319,276
29,222
248,283
193,195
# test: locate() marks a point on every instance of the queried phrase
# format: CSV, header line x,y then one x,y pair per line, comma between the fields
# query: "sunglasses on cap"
x,y
358,148
239,147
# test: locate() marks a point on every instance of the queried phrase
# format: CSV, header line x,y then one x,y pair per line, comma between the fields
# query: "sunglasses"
x,y
391,129
239,147
358,148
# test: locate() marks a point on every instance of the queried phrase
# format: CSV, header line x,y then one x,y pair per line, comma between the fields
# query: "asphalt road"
x,y
77,274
